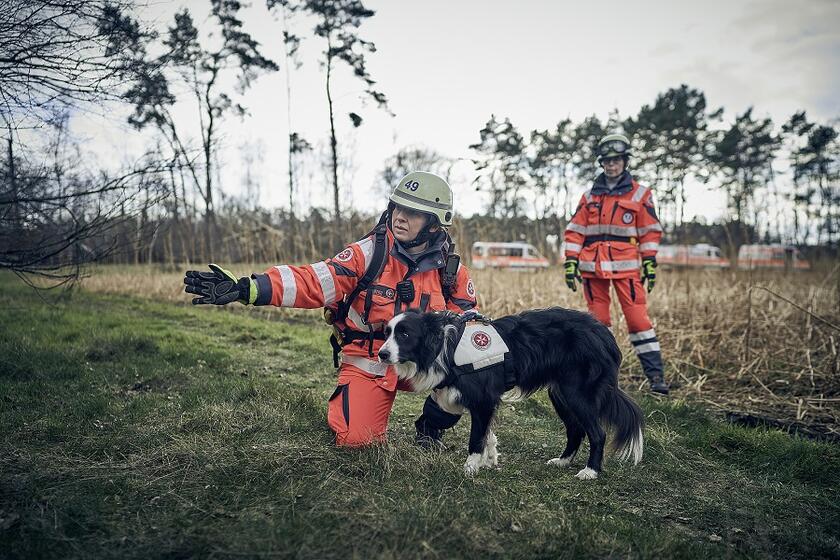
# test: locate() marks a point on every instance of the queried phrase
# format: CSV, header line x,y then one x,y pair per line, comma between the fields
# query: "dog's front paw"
x,y
560,461
587,474
474,462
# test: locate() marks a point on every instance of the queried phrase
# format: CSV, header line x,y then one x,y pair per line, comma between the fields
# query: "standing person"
x,y
615,225
407,261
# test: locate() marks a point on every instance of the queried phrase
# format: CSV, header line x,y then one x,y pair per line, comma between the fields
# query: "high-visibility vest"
x,y
611,231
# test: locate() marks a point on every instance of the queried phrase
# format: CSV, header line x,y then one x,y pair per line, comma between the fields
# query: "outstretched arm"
x,y
309,286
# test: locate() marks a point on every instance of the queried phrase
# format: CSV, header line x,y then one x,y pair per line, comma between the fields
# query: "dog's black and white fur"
x,y
567,351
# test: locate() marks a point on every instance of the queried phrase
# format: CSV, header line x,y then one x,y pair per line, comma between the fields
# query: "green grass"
x,y
138,429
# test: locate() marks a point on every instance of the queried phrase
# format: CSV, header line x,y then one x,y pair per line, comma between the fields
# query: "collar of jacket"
x,y
431,258
625,184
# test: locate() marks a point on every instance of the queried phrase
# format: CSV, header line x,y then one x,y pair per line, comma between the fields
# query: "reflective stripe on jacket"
x,y
327,282
612,229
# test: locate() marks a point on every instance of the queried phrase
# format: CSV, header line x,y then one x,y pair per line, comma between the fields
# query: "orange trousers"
x,y
633,300
631,296
360,406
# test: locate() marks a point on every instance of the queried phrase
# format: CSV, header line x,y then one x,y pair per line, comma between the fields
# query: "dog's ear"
x,y
433,334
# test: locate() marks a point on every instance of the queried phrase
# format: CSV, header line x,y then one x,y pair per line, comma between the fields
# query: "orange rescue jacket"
x,y
611,229
325,283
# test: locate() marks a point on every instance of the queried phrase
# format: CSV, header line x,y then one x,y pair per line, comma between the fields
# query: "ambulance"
x,y
701,255
511,255
786,257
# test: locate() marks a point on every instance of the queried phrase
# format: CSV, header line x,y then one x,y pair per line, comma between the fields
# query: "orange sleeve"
x,y
314,285
463,297
650,230
576,230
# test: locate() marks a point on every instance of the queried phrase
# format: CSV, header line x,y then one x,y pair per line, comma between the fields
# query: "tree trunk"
x,y
334,146
16,219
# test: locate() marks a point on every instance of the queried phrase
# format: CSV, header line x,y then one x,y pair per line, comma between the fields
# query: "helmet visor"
x,y
613,147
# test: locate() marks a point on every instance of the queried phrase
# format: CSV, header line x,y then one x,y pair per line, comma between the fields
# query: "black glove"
x,y
649,272
218,287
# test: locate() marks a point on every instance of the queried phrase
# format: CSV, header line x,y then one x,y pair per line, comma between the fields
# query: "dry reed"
x,y
760,345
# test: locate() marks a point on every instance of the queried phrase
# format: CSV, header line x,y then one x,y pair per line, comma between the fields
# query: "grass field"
x,y
137,426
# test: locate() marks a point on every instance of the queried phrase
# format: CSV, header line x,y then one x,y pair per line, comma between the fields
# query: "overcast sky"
x,y
446,66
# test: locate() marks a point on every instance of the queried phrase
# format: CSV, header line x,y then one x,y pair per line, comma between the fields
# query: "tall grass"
x,y
760,345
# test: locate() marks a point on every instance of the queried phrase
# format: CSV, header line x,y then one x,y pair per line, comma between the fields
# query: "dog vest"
x,y
480,348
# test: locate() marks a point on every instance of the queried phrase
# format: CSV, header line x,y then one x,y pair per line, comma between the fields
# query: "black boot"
x,y
428,437
651,360
659,385
431,425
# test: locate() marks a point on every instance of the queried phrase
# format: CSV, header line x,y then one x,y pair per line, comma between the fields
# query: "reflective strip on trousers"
x,y
643,335
645,348
652,246
326,280
287,278
368,366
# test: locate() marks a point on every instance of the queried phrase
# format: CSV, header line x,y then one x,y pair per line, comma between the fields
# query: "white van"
x,y
513,255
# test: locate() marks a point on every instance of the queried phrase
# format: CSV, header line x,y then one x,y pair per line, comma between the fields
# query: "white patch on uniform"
x,y
587,474
627,218
560,461
470,288
345,255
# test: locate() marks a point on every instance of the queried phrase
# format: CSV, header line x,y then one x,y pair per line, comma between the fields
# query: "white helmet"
x,y
426,192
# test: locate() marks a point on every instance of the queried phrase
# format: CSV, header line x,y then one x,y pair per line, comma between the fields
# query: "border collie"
x,y
567,351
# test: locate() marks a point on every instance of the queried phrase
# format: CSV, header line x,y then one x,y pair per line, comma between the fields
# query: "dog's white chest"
x,y
480,346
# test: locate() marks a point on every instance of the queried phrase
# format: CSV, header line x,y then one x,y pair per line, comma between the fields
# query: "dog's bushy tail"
x,y
627,421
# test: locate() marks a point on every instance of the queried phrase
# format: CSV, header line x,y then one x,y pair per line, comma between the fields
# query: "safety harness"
x,y
340,337
480,348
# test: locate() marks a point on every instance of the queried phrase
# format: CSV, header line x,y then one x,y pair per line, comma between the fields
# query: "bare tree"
x,y
61,215
414,158
57,57
60,54
337,23
203,70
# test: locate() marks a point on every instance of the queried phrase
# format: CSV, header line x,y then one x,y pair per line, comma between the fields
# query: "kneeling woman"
x,y
405,262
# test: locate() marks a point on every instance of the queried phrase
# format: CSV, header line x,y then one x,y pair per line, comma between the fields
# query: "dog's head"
x,y
415,342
